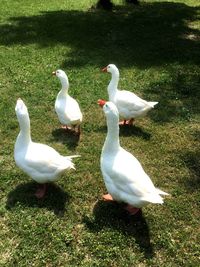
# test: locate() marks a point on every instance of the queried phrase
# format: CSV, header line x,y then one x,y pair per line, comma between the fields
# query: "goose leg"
x,y
77,129
65,127
132,210
107,197
41,191
130,122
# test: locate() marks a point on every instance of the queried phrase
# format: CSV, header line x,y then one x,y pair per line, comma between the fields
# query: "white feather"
x,y
129,105
41,162
124,176
66,107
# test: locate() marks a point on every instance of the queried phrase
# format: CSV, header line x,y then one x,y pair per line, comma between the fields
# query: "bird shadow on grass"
x,y
66,137
191,160
55,198
112,215
142,37
126,130
156,34
134,130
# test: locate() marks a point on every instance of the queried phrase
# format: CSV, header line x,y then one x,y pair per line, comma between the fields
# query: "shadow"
x,y
134,130
152,34
177,96
192,161
112,215
66,137
55,198
170,109
104,4
126,130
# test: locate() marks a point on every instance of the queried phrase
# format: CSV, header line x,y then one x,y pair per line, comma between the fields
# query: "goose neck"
x,y
112,143
64,84
24,136
112,87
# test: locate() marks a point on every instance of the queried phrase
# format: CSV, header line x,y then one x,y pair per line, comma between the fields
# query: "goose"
x,y
130,106
66,107
39,161
124,176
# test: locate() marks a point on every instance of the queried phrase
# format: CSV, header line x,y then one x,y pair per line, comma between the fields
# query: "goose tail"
x,y
72,157
72,166
152,104
160,192
69,159
155,198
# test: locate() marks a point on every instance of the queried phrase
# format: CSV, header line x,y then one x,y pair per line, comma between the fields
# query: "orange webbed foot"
x,y
107,197
127,122
122,123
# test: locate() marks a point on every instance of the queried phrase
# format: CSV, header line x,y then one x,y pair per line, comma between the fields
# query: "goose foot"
x,y
41,191
65,127
107,197
72,129
131,210
126,122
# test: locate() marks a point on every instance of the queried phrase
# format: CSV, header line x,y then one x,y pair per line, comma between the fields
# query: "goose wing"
x,y
42,159
130,101
127,174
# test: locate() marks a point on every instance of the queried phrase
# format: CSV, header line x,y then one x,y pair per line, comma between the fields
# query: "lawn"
x,y
156,47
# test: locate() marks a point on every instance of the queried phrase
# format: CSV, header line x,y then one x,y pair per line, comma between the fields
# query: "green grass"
x,y
157,49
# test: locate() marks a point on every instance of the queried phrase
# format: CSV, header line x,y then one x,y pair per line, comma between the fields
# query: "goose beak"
x,y
101,102
104,69
54,73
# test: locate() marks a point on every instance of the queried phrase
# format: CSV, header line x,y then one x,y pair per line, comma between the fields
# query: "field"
x,y
156,47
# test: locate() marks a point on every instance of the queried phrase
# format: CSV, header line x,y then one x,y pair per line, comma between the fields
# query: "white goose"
x,y
124,177
67,108
41,162
129,105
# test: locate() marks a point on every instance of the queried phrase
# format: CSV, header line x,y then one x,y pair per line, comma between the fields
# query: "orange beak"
x,y
101,102
104,69
53,73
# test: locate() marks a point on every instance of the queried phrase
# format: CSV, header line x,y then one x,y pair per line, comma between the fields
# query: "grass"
x,y
157,49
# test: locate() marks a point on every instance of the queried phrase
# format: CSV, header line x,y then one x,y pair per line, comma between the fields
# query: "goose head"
x,y
110,110
59,73
21,109
22,115
62,76
112,69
